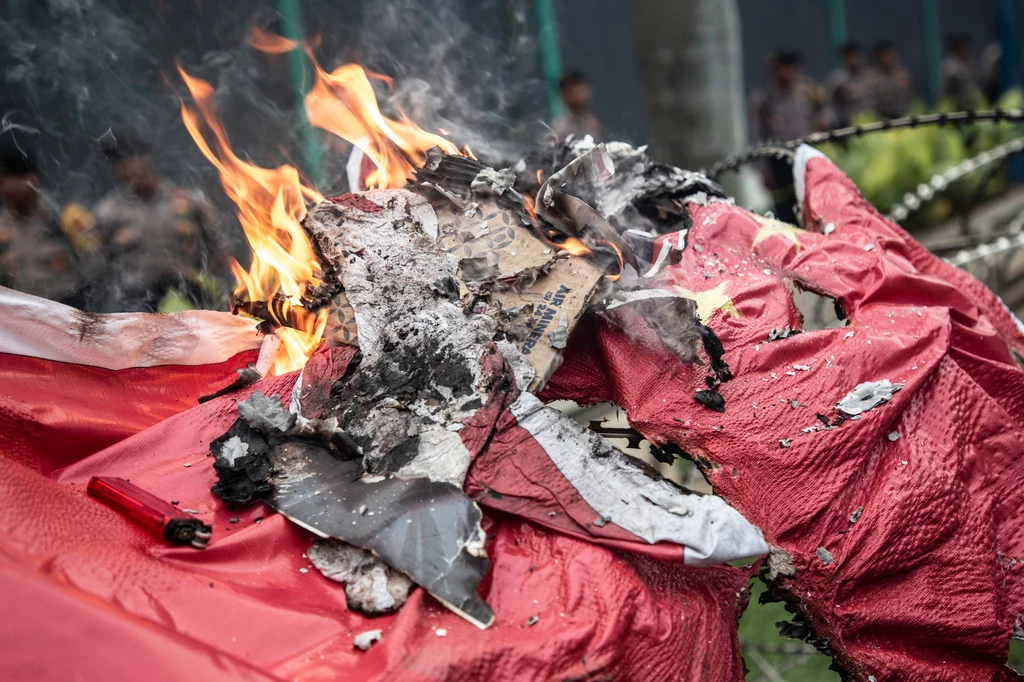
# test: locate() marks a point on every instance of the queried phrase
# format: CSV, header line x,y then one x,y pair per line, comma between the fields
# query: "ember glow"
x,y
574,247
269,204
571,245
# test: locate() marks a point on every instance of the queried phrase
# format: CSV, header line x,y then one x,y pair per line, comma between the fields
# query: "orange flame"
x,y
622,262
271,43
531,208
343,103
574,247
269,204
571,245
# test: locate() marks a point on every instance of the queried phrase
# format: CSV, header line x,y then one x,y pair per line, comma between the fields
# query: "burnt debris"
x,y
777,334
247,376
643,194
464,299
242,463
711,399
430,531
427,530
867,396
370,586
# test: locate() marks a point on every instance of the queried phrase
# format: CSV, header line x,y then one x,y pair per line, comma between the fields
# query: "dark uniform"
x,y
892,92
850,93
960,83
158,240
43,251
169,241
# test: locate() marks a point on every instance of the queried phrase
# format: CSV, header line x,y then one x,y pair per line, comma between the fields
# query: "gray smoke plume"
x,y
75,69
469,68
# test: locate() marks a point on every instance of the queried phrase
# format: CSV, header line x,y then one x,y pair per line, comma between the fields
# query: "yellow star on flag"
x,y
709,301
770,226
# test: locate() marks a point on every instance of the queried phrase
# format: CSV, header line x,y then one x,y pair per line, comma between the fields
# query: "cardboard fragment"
x,y
532,278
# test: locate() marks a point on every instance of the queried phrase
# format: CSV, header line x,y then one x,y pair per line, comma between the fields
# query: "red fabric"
x,y
530,486
323,368
512,473
926,584
357,201
55,413
73,638
248,598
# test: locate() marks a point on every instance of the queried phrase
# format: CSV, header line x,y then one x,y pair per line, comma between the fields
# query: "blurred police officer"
x,y
161,242
959,78
892,82
577,95
789,108
43,251
850,87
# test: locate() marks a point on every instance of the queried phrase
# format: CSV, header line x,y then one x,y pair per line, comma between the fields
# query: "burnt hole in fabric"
x,y
817,310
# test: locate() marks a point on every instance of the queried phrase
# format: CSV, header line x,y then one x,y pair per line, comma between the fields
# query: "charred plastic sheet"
x,y
428,530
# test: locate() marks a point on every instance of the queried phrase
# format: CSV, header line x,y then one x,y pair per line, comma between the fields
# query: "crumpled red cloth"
x,y
923,585
926,583
123,606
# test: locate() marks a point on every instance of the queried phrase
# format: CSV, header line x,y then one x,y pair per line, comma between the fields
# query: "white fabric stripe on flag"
x,y
36,327
710,531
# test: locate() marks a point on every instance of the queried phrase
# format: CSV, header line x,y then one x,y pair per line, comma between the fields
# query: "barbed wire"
x,y
773,150
763,149
1012,238
941,181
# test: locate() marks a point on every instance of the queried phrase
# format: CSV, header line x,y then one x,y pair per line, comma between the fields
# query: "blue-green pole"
x,y
1007,14
933,47
551,56
837,25
291,27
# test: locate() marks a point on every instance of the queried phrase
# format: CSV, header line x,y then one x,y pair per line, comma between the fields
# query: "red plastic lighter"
x,y
160,519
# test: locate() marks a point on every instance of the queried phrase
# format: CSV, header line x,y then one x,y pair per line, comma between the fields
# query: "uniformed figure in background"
x,y
790,108
163,244
576,93
43,251
893,91
959,78
850,87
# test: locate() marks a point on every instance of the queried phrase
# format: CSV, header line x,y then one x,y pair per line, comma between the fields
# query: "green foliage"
x,y
795,661
887,165
175,302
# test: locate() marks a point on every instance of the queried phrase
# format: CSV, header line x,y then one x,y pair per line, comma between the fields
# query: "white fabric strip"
x,y
710,531
804,153
39,328
659,261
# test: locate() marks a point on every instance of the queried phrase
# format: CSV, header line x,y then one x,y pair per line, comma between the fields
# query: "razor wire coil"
x,y
941,181
765,149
